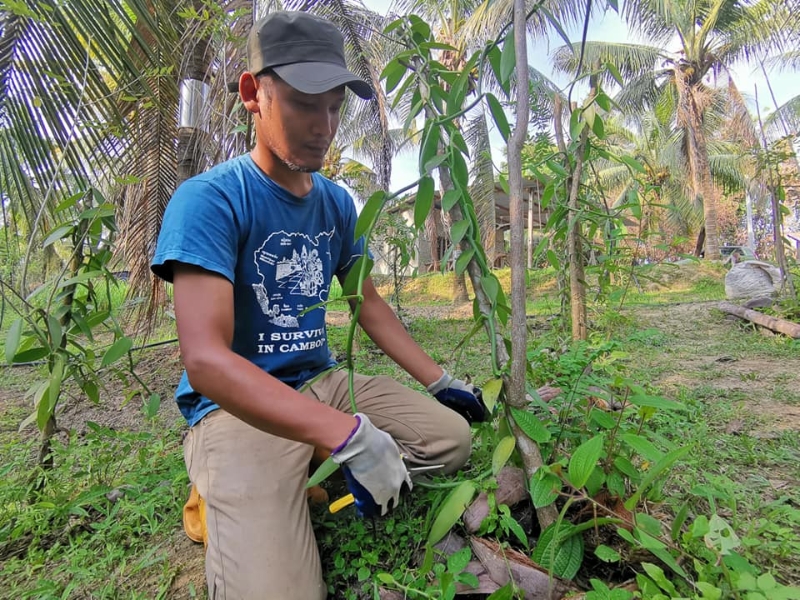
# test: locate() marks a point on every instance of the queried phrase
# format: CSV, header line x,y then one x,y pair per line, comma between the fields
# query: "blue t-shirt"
x,y
279,251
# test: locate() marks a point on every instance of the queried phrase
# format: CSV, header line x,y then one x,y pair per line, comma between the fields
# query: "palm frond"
x,y
785,120
633,61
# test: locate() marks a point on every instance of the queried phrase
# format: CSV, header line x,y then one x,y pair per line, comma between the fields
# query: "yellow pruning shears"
x,y
349,499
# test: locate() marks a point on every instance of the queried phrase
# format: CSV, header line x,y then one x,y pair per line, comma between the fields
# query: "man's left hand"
x,y
460,396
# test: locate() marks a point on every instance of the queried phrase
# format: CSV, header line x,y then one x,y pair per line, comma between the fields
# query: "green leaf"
x,y
459,171
56,379
385,578
557,168
603,101
530,425
612,68
463,260
80,278
508,59
643,446
491,285
325,470
423,201
450,199
499,116
458,561
633,164
504,593
430,145
576,124
607,554
458,91
350,285
31,355
655,472
117,350
503,451
393,73
458,230
55,331
152,406
557,26
369,213
544,488
721,536
451,510
598,128
491,392
13,338
91,390
57,234
655,402
559,550
42,404
584,460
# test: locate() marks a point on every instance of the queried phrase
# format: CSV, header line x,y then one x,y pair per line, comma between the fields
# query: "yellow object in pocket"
x,y
194,517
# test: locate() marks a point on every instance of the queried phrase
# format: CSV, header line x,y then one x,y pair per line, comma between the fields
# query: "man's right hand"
x,y
374,469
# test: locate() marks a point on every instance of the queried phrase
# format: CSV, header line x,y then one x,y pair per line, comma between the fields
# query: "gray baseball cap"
x,y
305,50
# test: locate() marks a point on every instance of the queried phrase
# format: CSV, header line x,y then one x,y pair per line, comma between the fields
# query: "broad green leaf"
x,y
450,199
69,202
92,392
597,479
503,451
458,230
612,68
662,465
451,510
458,561
350,285
655,402
721,536
385,578
491,392
31,355
499,116
423,201
633,164
369,213
508,59
12,339
643,446
57,234
559,550
55,330
657,574
463,260
491,286
434,163
393,73
598,128
584,460
603,101
557,168
117,350
152,406
504,593
495,59
325,470
576,124
80,278
607,554
459,171
544,488
455,99
530,425
430,145
42,404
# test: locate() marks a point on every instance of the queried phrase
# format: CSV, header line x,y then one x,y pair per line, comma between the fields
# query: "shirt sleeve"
x,y
199,228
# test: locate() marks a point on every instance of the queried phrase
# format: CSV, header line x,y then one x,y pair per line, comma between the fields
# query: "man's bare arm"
x,y
204,314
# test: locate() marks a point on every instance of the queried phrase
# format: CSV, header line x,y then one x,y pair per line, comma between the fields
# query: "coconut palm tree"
x,y
712,35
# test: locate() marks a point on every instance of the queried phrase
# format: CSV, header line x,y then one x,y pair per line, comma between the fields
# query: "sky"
x,y
607,26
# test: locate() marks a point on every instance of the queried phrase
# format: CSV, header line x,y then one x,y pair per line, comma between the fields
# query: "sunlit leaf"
x,y
503,451
530,425
499,116
491,392
423,201
117,350
325,470
584,460
451,510
369,213
12,339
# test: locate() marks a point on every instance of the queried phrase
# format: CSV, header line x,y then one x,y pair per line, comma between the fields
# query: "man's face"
x,y
297,128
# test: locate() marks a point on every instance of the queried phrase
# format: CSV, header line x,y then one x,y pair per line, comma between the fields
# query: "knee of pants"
x,y
461,436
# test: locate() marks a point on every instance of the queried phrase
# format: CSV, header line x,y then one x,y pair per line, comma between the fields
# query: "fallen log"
x,y
773,323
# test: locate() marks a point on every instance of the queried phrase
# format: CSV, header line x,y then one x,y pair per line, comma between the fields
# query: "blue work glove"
x,y
462,397
373,468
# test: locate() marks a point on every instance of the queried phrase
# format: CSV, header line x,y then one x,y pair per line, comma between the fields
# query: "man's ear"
x,y
248,91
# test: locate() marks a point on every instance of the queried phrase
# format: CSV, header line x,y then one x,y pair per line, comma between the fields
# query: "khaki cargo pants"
x,y
261,544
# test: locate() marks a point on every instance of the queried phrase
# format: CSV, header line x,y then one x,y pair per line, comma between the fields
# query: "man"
x,y
249,246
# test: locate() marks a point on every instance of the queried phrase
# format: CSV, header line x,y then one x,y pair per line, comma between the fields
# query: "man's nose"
x,y
325,123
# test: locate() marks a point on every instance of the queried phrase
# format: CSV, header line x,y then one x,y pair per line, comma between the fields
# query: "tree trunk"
x,y
699,170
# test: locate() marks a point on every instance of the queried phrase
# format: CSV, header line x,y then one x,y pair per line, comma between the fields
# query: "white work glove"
x,y
373,468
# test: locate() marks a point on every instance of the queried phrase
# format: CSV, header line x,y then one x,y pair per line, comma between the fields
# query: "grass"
x,y
67,539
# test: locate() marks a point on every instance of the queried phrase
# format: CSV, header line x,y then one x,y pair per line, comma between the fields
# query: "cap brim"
x,y
320,77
